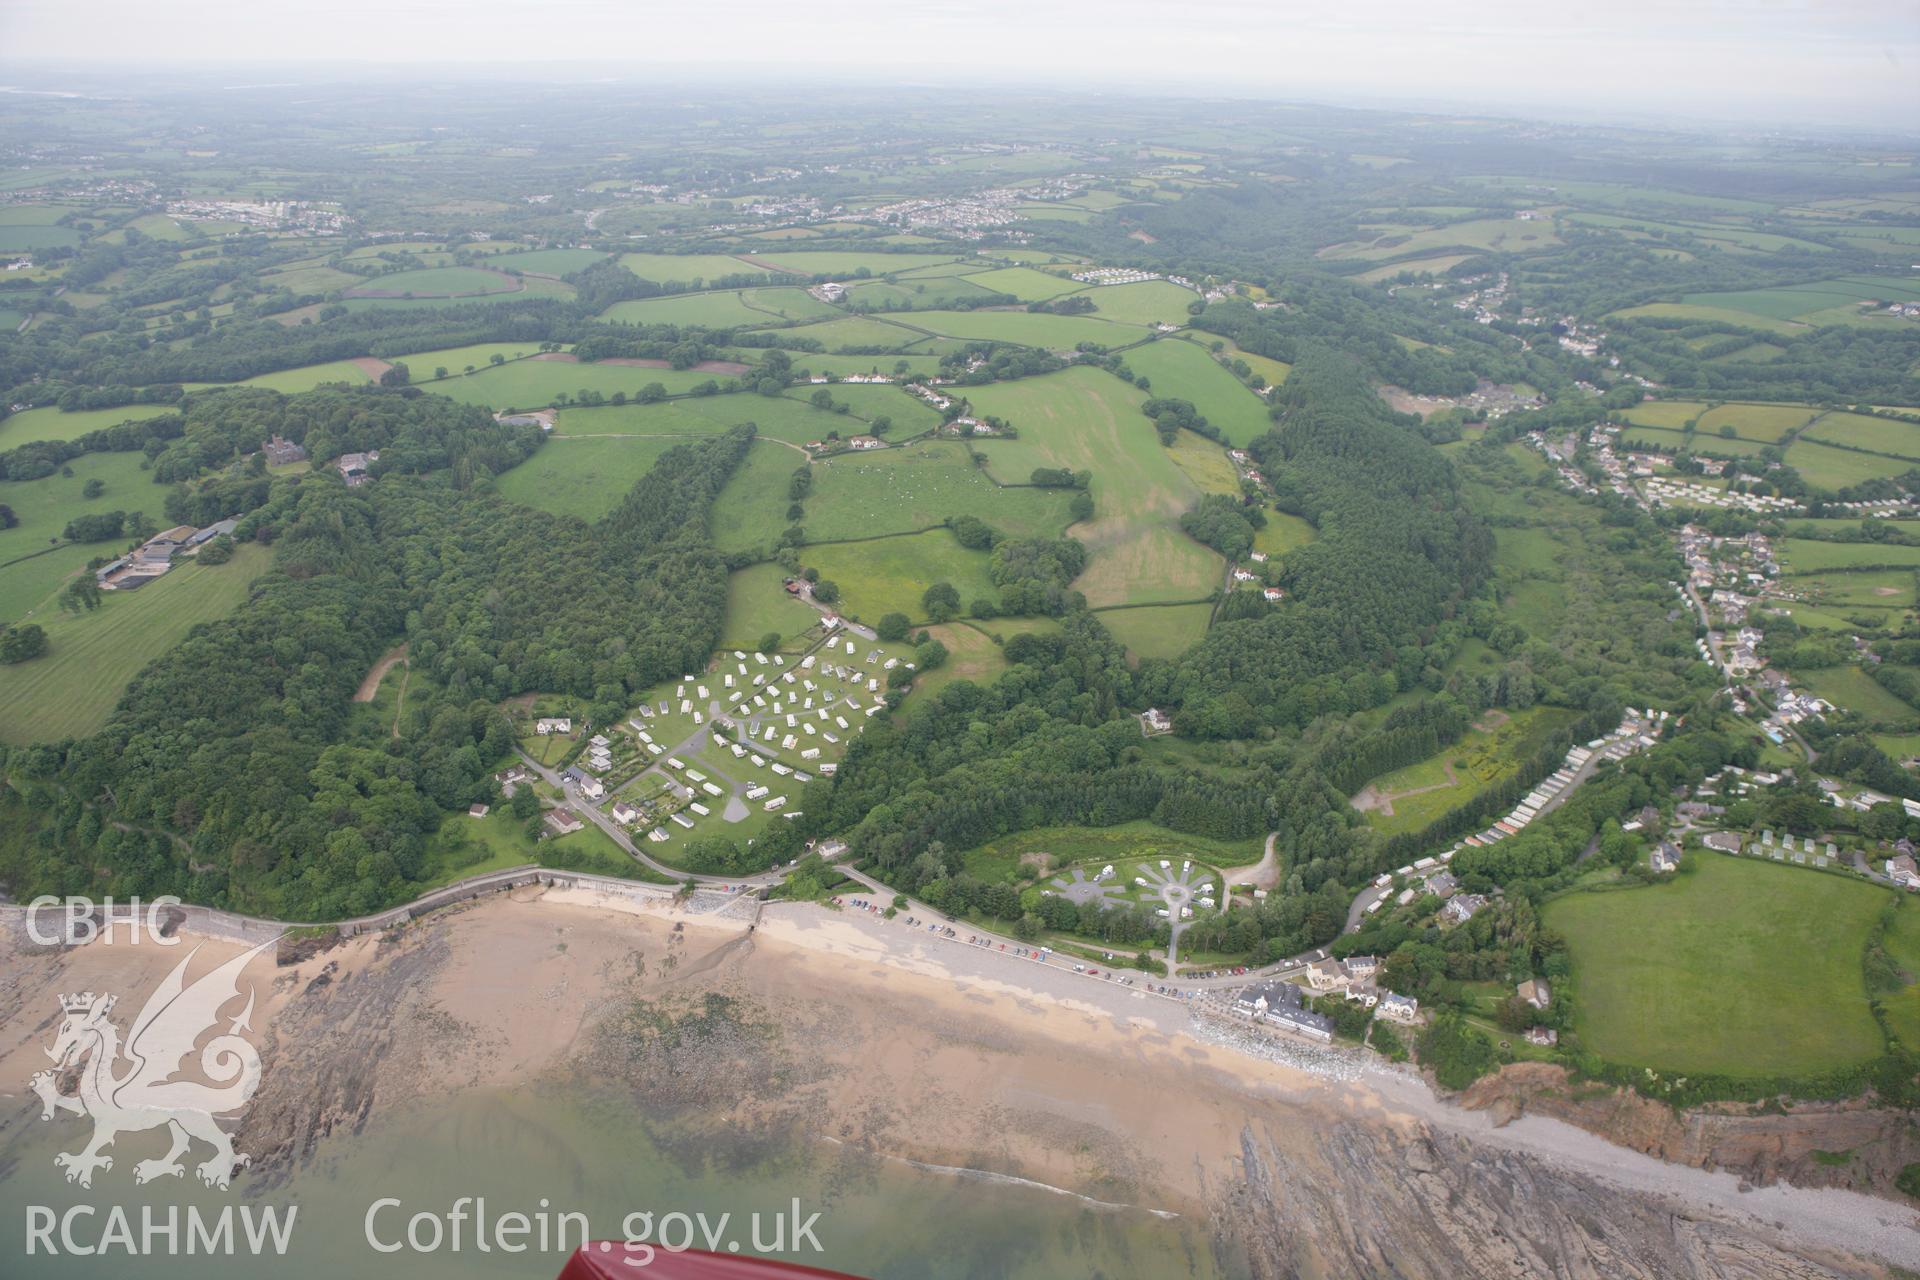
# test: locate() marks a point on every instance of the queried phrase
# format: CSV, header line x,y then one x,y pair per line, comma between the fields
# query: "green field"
x,y
728,309
1699,442
307,377
688,268
808,362
847,264
751,509
520,289
1738,967
92,656
1851,688
1086,419
582,477
1831,468
1883,435
1282,534
910,415
1180,370
435,282
859,495
549,262
1799,555
1144,302
913,294
51,424
1901,941
537,383
1392,241
1001,859
421,364
776,417
757,604
1158,631
855,333
1027,284
1029,329
889,575
34,563
1205,463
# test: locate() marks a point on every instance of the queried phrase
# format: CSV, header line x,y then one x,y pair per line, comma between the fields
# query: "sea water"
x,y
547,1151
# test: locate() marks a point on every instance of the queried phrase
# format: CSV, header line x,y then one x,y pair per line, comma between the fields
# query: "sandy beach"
x,y
844,1028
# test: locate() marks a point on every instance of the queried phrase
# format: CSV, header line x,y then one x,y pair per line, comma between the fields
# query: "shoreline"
x,y
924,1056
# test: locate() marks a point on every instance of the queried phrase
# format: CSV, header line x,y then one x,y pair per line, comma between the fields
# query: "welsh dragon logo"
x,y
147,1094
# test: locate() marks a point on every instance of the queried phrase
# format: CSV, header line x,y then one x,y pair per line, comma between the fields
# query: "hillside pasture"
x,y
1180,370
1882,435
1087,420
690,268
549,262
1774,987
582,477
436,282
50,423
758,604
1029,329
34,562
1027,283
1144,302
91,657
890,575
726,309
537,383
775,417
1831,468
750,511
859,495
854,333
1158,631
845,263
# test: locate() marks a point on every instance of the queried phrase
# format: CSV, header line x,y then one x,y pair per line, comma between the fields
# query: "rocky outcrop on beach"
x,y
1360,1200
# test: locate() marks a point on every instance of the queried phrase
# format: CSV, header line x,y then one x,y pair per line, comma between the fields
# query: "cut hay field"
x,y
34,563
91,657
1158,631
50,423
1771,986
1205,463
1029,329
727,309
582,477
856,333
860,495
1176,369
1086,419
758,604
889,575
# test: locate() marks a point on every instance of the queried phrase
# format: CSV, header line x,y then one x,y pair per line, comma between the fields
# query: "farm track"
x,y
370,685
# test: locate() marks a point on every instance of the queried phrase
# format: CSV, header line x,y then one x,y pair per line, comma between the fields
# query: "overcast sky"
x,y
1830,61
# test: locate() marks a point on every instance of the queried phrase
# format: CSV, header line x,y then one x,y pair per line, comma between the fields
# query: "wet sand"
x,y
863,1033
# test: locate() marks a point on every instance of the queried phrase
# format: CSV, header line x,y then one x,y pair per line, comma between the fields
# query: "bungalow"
x,y
563,821
477,811
1901,871
1664,859
1545,1037
1723,841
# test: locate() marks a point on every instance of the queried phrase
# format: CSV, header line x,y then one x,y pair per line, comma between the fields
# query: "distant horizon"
x,y
44,77
1846,63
